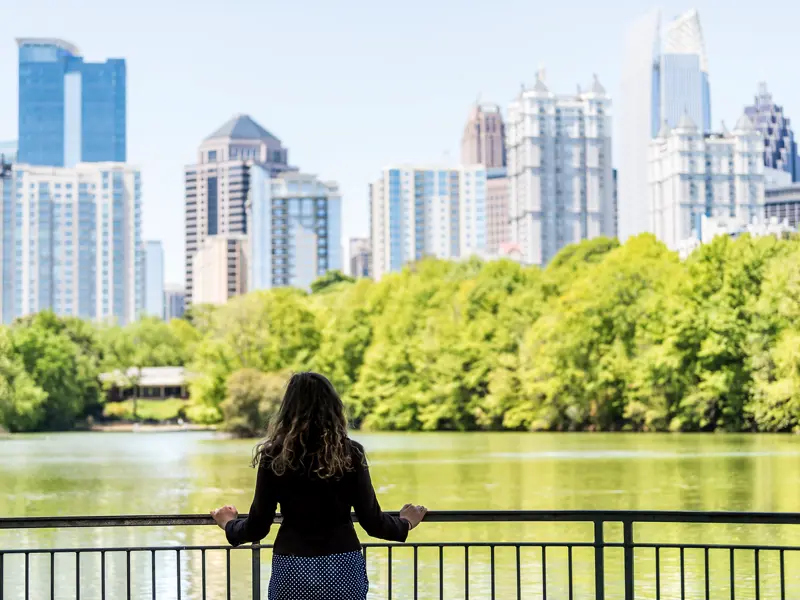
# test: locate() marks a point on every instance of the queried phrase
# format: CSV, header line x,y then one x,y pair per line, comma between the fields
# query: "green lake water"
x,y
174,473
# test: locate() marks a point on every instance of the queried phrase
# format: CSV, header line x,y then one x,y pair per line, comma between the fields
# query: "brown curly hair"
x,y
308,432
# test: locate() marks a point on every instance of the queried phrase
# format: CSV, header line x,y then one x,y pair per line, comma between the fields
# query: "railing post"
x,y
599,562
627,532
256,568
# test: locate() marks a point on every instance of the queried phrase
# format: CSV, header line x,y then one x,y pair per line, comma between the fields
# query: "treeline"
x,y
607,337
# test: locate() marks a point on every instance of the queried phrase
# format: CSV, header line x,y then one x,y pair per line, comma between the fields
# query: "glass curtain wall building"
x,y
420,211
665,77
295,229
70,111
72,242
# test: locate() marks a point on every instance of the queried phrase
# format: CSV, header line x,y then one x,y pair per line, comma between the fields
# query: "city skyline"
x,y
337,122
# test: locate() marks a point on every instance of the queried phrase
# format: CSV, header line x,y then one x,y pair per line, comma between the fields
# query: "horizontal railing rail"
x,y
443,516
600,566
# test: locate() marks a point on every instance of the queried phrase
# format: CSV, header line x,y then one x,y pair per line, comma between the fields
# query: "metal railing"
x,y
598,567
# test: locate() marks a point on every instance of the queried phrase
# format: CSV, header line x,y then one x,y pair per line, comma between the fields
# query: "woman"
x,y
309,466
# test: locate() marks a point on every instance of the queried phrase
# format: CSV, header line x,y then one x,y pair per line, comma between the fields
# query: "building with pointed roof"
x,y
665,76
780,148
715,175
217,185
561,182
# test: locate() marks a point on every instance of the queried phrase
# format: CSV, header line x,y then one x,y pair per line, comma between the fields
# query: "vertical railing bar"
x,y
52,577
153,573
128,573
491,572
758,576
228,572
416,573
77,575
178,571
544,572
2,579
441,572
519,572
203,572
102,575
707,574
599,562
627,529
569,572
390,573
27,576
783,577
256,568
733,578
466,572
658,573
683,575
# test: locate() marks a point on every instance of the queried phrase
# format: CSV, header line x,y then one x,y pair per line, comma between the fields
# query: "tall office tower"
x,y
694,174
665,76
72,242
420,211
780,149
217,186
174,302
561,187
220,268
483,142
295,228
360,257
154,279
70,111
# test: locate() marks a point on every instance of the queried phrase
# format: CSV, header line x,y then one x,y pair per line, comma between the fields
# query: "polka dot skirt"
x,y
331,577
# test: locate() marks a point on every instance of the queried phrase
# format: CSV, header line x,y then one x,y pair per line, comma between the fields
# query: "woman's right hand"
x,y
413,514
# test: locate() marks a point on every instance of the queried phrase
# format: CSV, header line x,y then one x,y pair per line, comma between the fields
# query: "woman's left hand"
x,y
224,515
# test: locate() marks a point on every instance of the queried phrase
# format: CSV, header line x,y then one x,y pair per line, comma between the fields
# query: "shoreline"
x,y
150,427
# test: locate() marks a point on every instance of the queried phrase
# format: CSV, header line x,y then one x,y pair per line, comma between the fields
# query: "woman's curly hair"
x,y
308,432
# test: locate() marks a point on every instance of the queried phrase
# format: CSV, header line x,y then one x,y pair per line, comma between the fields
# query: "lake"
x,y
174,473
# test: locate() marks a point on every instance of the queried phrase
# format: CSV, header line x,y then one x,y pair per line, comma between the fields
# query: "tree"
x,y
21,400
329,280
253,397
56,356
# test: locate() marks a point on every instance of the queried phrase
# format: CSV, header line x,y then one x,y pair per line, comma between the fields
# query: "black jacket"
x,y
316,512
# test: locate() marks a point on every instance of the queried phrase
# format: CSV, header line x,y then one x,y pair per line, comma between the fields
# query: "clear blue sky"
x,y
352,85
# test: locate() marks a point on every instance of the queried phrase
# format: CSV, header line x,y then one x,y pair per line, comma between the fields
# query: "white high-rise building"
x,y
420,211
665,75
561,184
295,228
72,242
694,174
220,268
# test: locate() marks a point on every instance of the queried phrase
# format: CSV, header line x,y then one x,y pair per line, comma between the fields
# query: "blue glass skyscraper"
x,y
70,111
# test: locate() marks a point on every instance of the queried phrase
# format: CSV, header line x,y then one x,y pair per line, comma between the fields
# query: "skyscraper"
x,y
154,279
780,149
72,242
559,167
295,228
664,77
70,111
483,142
217,186
712,175
420,211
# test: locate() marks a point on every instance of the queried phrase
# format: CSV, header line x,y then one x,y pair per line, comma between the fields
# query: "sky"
x,y
354,85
